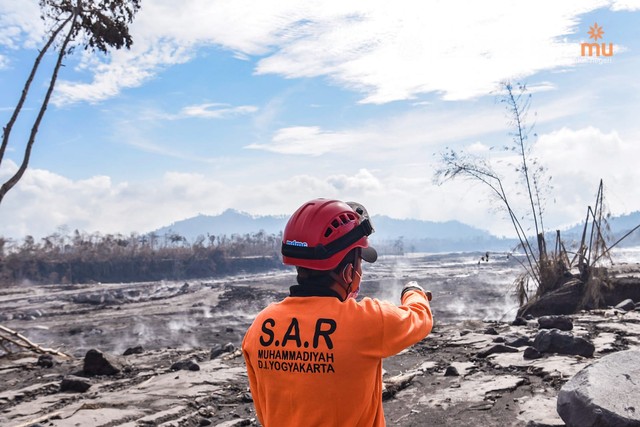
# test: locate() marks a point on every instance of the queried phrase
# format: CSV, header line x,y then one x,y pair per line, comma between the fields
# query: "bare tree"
x,y
547,270
457,164
96,25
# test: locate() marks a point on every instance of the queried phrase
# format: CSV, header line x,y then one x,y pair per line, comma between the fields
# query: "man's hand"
x,y
415,286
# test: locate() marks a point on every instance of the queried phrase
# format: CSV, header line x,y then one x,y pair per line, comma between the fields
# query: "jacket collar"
x,y
312,291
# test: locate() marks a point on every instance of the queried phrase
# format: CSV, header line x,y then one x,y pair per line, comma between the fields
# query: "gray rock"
x,y
626,305
498,348
99,363
218,350
185,365
562,323
133,350
605,393
519,321
555,341
94,299
34,314
45,361
531,353
451,371
76,384
541,424
517,340
235,423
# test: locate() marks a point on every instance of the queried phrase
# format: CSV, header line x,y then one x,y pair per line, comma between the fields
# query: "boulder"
x,y
555,341
517,340
566,299
451,371
98,298
531,353
519,321
133,350
605,393
562,323
497,348
99,363
626,305
73,383
185,365
218,350
563,300
45,361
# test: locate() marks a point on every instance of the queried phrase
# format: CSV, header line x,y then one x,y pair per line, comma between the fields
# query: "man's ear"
x,y
347,274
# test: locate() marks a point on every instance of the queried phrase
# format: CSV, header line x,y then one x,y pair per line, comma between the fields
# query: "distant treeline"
x,y
83,258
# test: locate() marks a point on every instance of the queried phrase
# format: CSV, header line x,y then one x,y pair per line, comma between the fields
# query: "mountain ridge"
x,y
414,234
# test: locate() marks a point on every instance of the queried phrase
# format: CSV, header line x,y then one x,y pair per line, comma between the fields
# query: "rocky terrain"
x,y
166,354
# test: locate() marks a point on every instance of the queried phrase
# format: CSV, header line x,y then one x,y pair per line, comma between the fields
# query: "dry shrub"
x,y
596,283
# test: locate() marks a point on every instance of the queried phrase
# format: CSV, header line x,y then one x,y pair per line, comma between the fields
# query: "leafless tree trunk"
x,y
13,180
6,131
99,25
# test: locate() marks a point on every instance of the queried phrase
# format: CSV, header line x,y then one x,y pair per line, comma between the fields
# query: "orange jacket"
x,y
317,361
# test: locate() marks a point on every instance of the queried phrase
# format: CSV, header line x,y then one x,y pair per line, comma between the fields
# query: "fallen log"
x,y
17,339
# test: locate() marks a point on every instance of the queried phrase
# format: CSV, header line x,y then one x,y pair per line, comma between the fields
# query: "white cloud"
x,y
98,204
309,140
216,111
20,23
386,51
478,148
360,183
125,69
578,159
393,52
411,134
630,5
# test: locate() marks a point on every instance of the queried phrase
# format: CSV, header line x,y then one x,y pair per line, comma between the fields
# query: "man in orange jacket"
x,y
315,358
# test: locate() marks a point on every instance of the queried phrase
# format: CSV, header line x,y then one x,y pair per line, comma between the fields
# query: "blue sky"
x,y
260,106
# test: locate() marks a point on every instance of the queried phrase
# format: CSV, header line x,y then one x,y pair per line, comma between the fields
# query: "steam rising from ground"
x,y
114,317
463,286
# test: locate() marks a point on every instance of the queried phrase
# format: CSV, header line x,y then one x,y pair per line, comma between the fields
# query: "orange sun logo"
x,y
595,32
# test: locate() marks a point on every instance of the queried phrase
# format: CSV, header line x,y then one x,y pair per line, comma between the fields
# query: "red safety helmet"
x,y
322,232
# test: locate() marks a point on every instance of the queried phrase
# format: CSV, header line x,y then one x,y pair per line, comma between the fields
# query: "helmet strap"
x,y
348,279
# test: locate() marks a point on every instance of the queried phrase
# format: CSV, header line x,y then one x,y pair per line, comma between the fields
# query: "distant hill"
x,y
227,223
619,226
393,234
391,228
